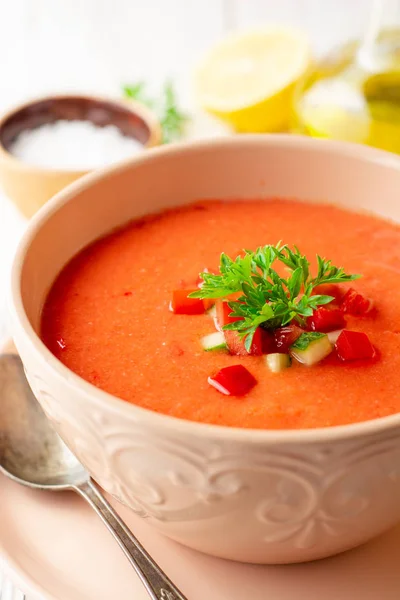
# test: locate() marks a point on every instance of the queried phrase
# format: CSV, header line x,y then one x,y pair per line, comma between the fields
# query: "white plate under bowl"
x,y
58,549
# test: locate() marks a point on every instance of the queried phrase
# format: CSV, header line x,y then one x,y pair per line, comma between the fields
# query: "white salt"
x,y
74,145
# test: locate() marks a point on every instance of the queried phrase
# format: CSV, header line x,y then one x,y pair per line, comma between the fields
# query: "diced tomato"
x,y
326,319
182,305
354,345
223,312
233,381
356,304
286,336
330,289
236,344
268,342
208,303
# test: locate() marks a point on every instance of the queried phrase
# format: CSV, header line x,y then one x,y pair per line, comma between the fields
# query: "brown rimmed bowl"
x,y
30,186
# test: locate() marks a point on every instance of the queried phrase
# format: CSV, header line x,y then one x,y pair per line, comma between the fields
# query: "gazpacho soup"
x,y
268,314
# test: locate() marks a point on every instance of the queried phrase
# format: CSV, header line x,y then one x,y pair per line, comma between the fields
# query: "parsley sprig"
x,y
267,299
172,119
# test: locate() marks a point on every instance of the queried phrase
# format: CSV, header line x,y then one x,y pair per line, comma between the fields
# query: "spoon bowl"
x,y
33,454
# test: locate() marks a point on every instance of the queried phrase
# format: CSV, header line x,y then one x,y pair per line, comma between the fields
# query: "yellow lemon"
x,y
248,79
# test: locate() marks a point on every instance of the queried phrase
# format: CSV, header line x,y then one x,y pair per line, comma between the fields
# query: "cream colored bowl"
x,y
257,496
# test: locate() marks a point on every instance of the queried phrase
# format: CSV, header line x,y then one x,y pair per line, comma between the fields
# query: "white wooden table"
x,y
11,228
7,589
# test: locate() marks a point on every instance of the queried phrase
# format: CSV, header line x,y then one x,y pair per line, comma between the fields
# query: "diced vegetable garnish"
x,y
233,381
333,335
182,305
212,312
354,345
301,315
286,336
326,319
214,341
310,348
356,304
236,343
208,304
264,297
278,362
223,312
330,289
200,280
268,343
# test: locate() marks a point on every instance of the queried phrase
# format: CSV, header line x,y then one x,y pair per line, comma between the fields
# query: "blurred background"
x,y
54,46
92,45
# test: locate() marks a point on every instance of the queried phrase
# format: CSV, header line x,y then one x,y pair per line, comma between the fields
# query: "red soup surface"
x,y
107,315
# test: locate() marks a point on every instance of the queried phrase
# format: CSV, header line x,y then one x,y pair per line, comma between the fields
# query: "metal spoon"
x,y
33,454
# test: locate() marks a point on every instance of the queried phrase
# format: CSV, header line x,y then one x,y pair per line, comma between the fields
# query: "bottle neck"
x,y
378,51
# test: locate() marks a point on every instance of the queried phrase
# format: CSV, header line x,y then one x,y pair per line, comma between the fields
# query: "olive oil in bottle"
x,y
354,93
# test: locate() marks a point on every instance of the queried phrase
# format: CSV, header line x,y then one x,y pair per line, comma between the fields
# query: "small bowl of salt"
x,y
48,143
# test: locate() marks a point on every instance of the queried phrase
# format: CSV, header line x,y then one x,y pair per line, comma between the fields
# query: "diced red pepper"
x,y
223,312
330,289
182,305
354,345
326,319
286,336
233,381
268,342
355,303
236,344
208,303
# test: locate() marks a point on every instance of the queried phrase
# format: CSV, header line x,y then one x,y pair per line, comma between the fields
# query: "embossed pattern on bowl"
x,y
255,496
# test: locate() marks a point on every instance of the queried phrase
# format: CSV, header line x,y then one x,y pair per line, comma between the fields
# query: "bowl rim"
x,y
159,420
136,108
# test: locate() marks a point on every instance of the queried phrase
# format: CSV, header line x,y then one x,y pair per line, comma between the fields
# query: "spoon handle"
x,y
157,584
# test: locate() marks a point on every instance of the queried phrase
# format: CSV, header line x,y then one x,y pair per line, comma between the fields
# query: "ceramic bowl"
x,y
30,186
248,495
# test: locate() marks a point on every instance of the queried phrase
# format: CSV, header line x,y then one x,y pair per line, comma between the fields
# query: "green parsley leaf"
x,y
306,339
267,299
172,119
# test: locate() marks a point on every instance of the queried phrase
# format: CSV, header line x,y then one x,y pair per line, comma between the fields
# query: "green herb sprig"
x,y
267,299
171,118
307,338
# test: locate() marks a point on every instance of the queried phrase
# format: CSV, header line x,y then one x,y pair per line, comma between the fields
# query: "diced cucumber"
x,y
310,348
214,341
278,362
212,312
333,335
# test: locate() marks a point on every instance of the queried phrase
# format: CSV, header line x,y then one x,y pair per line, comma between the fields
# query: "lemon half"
x,y
248,79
